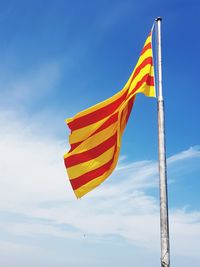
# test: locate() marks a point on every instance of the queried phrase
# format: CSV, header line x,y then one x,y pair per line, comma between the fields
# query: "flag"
x,y
96,132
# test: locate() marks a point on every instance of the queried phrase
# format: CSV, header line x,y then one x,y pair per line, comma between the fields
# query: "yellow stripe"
x,y
146,89
82,168
81,191
143,72
83,133
147,54
123,120
148,40
94,140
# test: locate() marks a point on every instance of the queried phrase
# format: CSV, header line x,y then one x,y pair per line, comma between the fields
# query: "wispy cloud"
x,y
192,152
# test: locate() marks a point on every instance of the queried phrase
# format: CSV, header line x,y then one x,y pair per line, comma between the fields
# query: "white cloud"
x,y
185,233
35,190
192,152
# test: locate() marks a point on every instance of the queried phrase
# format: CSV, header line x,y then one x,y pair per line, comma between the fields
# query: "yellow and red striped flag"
x,y
96,132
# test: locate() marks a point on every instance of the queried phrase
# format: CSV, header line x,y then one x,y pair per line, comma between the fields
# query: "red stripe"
x,y
96,115
91,153
112,119
149,80
145,62
121,118
145,48
130,105
73,146
89,176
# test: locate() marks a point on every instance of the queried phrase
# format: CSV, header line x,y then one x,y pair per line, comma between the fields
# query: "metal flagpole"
x,y
164,222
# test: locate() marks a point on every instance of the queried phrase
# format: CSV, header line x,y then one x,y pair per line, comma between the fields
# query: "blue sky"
x,y
57,58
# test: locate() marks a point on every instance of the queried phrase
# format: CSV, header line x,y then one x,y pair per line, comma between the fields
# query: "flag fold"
x,y
96,132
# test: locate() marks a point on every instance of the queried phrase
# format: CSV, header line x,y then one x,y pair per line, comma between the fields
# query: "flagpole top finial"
x,y
158,19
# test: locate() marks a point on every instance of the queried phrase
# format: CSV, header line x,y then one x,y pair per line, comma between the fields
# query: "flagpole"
x,y
164,221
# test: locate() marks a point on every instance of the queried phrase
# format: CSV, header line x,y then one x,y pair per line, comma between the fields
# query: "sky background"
x,y
58,58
